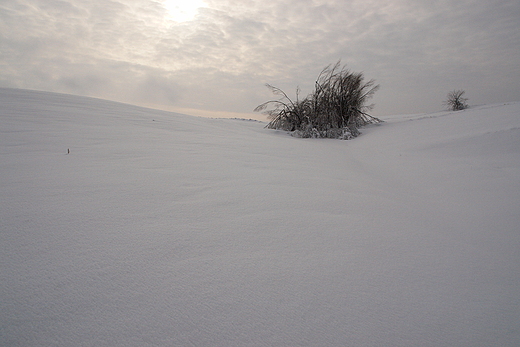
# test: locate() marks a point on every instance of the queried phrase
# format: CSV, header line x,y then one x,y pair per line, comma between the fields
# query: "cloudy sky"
x,y
213,57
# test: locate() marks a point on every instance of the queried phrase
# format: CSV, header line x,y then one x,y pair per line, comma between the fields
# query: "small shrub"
x,y
336,108
455,100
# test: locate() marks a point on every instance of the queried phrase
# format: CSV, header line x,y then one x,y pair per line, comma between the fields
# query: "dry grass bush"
x,y
336,109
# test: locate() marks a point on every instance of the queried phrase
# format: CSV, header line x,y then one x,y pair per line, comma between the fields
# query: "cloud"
x,y
128,50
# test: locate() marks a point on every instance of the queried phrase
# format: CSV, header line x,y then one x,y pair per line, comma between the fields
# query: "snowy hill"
x,y
159,229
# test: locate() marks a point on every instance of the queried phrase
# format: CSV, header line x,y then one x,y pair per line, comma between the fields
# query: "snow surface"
x,y
160,229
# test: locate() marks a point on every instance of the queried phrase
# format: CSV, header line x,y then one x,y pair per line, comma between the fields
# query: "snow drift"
x,y
160,229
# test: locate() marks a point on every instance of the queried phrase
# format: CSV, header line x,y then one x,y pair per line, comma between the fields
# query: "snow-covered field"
x,y
160,229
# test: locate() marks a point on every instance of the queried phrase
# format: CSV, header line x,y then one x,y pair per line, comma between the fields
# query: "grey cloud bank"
x,y
219,61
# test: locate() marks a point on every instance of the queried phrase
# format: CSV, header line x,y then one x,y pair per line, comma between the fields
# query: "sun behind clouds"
x,y
182,10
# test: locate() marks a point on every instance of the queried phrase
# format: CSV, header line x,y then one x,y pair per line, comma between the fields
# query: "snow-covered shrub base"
x,y
334,133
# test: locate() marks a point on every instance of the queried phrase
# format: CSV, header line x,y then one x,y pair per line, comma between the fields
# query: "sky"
x,y
214,57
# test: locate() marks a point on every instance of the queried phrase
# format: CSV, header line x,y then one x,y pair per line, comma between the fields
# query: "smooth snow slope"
x,y
161,229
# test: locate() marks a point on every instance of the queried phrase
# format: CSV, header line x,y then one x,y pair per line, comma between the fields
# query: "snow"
x,y
161,229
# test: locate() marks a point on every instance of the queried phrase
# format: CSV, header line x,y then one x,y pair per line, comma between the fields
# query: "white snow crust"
x,y
161,229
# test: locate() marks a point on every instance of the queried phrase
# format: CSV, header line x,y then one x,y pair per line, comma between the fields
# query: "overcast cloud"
x,y
131,51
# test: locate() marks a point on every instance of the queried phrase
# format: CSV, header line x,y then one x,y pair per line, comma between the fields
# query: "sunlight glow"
x,y
182,10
